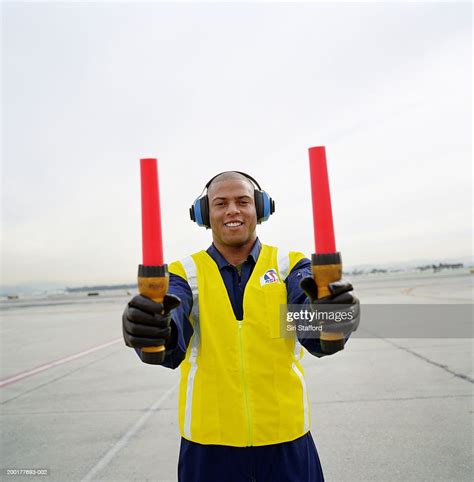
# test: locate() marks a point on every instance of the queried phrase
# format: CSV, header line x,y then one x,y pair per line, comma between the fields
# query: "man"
x,y
243,407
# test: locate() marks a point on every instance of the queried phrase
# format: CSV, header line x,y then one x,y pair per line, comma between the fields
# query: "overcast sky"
x,y
90,88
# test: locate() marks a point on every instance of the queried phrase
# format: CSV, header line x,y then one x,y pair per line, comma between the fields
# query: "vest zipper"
x,y
244,383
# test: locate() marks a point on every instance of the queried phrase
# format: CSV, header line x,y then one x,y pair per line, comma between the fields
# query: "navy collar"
x,y
214,253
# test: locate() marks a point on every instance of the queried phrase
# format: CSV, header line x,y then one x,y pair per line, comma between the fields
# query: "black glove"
x,y
147,323
340,292
340,300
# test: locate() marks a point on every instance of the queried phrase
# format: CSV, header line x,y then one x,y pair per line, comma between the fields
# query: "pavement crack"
x,y
69,412
462,376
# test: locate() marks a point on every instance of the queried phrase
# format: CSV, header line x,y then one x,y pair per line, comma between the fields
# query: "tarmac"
x,y
76,402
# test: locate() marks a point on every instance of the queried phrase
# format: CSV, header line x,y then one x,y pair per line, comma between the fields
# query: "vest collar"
x,y
221,262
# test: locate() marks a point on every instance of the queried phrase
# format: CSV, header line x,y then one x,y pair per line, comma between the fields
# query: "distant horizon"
x,y
6,290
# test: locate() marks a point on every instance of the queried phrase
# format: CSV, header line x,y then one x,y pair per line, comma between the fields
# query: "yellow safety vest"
x,y
241,383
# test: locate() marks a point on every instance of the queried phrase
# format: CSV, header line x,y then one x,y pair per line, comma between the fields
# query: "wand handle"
x,y
153,282
327,268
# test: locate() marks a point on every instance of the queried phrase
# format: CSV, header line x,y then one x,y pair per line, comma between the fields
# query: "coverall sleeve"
x,y
181,328
296,296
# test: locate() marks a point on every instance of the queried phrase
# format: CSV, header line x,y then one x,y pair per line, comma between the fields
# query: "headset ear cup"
x,y
196,213
258,204
268,206
204,201
199,212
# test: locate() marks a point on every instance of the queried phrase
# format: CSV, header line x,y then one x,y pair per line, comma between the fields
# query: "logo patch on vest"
x,y
270,276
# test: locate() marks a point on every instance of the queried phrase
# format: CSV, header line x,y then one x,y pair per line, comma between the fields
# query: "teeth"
x,y
234,224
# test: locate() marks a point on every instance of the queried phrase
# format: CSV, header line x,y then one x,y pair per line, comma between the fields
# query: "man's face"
x,y
232,212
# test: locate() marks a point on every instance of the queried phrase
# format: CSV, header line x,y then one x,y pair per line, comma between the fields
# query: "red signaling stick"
x,y
326,264
152,241
153,277
322,211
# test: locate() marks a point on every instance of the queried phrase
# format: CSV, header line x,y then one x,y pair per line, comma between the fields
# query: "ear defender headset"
x,y
264,204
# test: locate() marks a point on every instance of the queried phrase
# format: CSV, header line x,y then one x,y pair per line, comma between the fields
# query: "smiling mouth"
x,y
233,224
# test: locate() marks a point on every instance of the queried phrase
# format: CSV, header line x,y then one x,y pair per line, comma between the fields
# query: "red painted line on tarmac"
x,y
47,366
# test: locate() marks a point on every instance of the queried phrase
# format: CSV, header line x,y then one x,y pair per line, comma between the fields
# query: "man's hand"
x,y
340,300
147,323
340,292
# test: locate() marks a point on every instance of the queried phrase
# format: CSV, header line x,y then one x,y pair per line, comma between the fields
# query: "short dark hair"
x,y
230,176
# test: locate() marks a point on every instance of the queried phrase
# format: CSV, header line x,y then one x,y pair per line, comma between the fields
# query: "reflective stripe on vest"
x,y
284,266
190,269
236,386
298,356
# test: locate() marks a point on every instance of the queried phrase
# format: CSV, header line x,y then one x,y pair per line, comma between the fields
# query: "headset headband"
x,y
238,172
